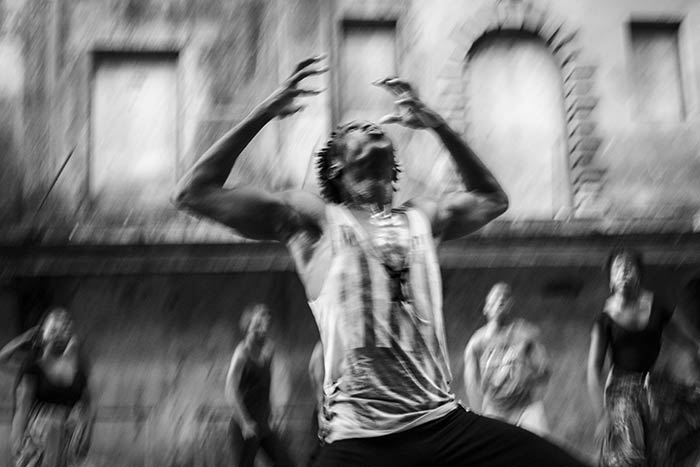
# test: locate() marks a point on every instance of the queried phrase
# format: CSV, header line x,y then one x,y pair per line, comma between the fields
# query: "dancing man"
x,y
372,279
505,367
248,391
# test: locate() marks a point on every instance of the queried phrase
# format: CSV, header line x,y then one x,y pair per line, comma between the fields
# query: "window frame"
x,y
95,57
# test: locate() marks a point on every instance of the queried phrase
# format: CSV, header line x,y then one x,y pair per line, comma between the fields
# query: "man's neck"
x,y
373,208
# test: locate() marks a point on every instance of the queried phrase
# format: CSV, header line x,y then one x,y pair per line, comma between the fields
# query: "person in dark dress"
x,y
248,391
52,422
635,406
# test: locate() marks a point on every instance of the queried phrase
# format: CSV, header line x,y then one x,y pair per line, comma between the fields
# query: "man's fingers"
x,y
306,92
384,83
396,85
287,111
400,84
407,101
380,81
309,61
390,119
301,74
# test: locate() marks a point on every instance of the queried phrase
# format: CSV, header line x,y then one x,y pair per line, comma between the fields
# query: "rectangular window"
x,y
367,53
656,71
133,135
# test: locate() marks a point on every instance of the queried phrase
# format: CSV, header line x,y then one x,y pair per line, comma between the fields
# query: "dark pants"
x,y
458,439
267,440
316,442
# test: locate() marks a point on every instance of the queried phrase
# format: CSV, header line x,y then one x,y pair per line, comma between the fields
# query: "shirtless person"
x,y
372,279
505,368
248,391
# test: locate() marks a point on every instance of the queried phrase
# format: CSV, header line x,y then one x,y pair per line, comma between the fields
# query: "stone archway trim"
x,y
578,79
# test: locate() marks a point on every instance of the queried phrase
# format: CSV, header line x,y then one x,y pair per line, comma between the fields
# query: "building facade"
x,y
587,111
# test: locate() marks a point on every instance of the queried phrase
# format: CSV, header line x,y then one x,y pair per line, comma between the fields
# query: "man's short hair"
x,y
330,153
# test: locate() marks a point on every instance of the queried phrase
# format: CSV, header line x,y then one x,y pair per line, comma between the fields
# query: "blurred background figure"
x,y
316,375
645,419
688,311
248,385
52,421
505,367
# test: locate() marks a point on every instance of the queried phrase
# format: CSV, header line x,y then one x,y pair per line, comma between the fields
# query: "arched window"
x,y
517,122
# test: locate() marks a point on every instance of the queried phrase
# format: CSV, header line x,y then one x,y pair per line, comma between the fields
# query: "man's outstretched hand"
x,y
417,114
284,101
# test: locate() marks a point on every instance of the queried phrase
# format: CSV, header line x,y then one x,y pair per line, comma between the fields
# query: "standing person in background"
x,y
505,367
248,385
685,387
688,309
372,279
641,417
52,420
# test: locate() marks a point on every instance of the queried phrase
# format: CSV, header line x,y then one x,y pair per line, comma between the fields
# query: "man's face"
x,y
367,163
498,302
624,274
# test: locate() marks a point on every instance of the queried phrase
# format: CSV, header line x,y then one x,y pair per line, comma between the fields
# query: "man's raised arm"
x,y
14,352
459,213
253,212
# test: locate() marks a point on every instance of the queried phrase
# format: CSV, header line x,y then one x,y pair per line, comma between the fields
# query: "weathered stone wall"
x,y
229,56
619,165
160,347
160,344
232,54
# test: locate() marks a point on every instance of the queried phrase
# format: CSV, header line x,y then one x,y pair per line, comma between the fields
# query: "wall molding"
x,y
577,248
578,80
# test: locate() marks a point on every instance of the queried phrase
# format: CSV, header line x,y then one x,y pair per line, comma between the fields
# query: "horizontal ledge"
x,y
208,233
470,253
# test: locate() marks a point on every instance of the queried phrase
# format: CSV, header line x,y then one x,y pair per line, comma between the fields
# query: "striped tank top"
x,y
385,357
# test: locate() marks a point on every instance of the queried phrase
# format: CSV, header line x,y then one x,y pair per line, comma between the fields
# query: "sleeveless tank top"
x,y
385,358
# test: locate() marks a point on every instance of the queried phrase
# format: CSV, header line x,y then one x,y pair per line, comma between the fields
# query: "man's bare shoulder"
x,y
426,205
303,199
305,228
309,208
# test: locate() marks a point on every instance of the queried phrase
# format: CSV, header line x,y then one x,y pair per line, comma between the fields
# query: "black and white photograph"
x,y
349,233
